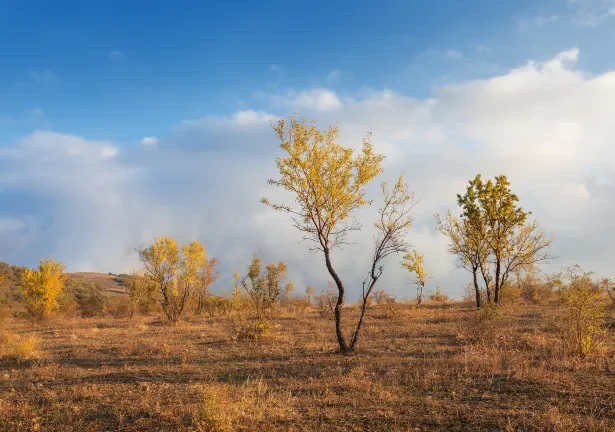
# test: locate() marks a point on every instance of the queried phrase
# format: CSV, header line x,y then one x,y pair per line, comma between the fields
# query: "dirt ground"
x,y
417,370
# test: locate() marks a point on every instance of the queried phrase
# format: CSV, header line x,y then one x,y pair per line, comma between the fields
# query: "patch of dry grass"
x,y
420,369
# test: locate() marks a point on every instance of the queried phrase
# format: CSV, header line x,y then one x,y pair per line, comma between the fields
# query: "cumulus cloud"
x,y
546,124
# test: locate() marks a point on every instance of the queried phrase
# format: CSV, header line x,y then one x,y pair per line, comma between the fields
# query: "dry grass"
x,y
420,369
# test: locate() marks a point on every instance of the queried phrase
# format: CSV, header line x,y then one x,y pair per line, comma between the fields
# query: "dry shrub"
x,y
214,305
438,296
299,306
226,407
387,302
245,328
485,323
120,307
325,303
510,294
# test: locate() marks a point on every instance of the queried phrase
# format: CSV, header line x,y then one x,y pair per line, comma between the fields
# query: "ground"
x,y
417,370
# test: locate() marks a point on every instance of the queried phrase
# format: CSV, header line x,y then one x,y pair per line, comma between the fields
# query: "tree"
x,y
491,213
467,243
206,276
414,263
42,286
328,183
174,270
265,286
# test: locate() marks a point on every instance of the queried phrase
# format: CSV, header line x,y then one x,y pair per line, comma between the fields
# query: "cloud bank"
x,y
547,125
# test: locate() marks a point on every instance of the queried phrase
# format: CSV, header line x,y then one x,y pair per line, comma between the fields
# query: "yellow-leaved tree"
x,y
414,263
42,286
328,183
176,272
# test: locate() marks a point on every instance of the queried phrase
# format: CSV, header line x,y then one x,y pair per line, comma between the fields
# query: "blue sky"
x,y
119,69
124,120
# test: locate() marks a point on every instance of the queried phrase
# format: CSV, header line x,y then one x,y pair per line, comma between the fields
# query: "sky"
x,y
121,121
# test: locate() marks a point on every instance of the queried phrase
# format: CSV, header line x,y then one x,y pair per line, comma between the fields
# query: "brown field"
x,y
420,369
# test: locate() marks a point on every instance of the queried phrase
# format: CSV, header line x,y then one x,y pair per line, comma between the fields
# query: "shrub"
x,y
90,298
325,303
299,305
582,329
485,323
265,286
21,348
387,302
438,296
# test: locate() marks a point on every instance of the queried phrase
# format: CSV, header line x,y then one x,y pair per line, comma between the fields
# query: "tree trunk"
x,y
419,295
476,288
355,335
486,280
497,281
338,306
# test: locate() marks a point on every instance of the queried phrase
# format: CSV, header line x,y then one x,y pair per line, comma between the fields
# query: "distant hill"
x,y
113,283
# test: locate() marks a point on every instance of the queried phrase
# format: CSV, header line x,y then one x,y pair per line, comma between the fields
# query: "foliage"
x,y
413,262
486,322
582,329
265,286
175,271
41,288
328,183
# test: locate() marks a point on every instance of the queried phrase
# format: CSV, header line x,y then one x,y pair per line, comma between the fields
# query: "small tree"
x,y
265,286
41,288
328,182
175,272
491,212
206,276
414,263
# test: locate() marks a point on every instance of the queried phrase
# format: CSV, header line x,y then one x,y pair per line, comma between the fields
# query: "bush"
x,y
325,303
582,329
41,288
21,348
438,296
387,302
485,323
90,298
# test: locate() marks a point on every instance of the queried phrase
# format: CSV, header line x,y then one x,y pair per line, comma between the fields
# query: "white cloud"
x,y
44,77
547,125
316,99
150,141
116,55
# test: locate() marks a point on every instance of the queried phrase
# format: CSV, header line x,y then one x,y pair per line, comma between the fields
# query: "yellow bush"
x,y
582,329
41,288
